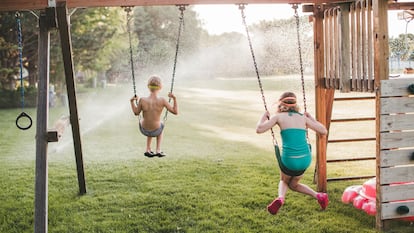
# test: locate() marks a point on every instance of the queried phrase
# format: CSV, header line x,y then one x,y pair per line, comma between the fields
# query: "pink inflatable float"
x,y
363,197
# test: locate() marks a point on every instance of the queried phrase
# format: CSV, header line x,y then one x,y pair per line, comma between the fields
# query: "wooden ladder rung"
x,y
351,140
354,119
350,159
354,98
350,178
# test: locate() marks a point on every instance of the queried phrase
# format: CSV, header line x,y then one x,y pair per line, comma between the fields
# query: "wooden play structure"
x,y
350,55
354,58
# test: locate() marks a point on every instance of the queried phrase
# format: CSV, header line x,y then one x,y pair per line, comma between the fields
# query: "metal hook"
x,y
182,7
242,6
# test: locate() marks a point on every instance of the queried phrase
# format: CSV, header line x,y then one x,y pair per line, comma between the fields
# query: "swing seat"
x,y
283,168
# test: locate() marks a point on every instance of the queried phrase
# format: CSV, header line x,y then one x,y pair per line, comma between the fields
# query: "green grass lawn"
x,y
218,176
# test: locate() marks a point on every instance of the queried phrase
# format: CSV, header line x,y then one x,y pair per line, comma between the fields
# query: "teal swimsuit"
x,y
296,155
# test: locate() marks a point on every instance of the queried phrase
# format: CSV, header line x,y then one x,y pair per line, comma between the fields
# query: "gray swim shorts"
x,y
152,133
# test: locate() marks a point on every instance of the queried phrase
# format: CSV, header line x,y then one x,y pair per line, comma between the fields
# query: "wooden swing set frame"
x,y
338,25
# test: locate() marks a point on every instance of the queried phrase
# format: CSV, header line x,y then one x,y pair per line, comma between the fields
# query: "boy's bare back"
x,y
151,107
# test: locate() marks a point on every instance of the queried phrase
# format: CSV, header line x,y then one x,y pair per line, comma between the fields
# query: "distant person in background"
x,y
52,94
151,107
296,155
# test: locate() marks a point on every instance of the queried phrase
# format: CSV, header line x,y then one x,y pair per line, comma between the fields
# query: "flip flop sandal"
x,y
149,154
160,154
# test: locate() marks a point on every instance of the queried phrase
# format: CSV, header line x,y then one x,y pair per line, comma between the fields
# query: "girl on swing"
x,y
151,107
296,155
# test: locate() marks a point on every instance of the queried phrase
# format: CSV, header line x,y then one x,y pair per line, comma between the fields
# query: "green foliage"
x,y
277,45
402,46
13,98
9,56
157,30
92,30
222,55
8,47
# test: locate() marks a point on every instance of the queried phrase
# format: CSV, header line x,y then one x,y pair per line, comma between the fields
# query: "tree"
x,y
8,49
157,29
278,48
9,54
92,31
402,46
223,55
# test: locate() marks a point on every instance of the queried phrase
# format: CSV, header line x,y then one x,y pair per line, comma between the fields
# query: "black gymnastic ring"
x,y
24,115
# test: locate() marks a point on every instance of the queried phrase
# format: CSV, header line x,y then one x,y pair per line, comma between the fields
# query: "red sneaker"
x,y
275,205
322,200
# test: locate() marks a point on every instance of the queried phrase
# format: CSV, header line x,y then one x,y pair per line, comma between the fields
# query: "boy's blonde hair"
x,y
154,83
287,102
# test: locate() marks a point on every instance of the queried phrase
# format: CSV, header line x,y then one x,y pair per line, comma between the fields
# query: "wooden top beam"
x,y
13,5
401,6
391,6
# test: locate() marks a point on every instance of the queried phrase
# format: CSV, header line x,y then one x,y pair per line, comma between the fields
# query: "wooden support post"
x,y
66,44
41,182
381,72
320,169
329,100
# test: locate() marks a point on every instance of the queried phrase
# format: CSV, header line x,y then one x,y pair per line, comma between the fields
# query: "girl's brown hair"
x,y
287,102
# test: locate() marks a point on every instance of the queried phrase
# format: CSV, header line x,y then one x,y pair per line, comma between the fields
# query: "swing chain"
x,y
128,10
177,46
241,8
181,8
295,7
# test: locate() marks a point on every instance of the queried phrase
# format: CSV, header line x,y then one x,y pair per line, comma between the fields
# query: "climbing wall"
x,y
396,159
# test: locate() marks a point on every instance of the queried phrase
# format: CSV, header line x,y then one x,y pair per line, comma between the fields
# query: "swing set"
x,y
350,54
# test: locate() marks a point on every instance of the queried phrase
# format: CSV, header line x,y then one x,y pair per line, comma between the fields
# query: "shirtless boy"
x,y
151,107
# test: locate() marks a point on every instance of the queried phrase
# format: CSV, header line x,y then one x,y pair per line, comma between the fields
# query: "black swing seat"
x,y
283,168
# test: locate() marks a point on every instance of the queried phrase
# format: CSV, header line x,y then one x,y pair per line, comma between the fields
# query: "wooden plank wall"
x,y
331,41
362,40
397,149
348,31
